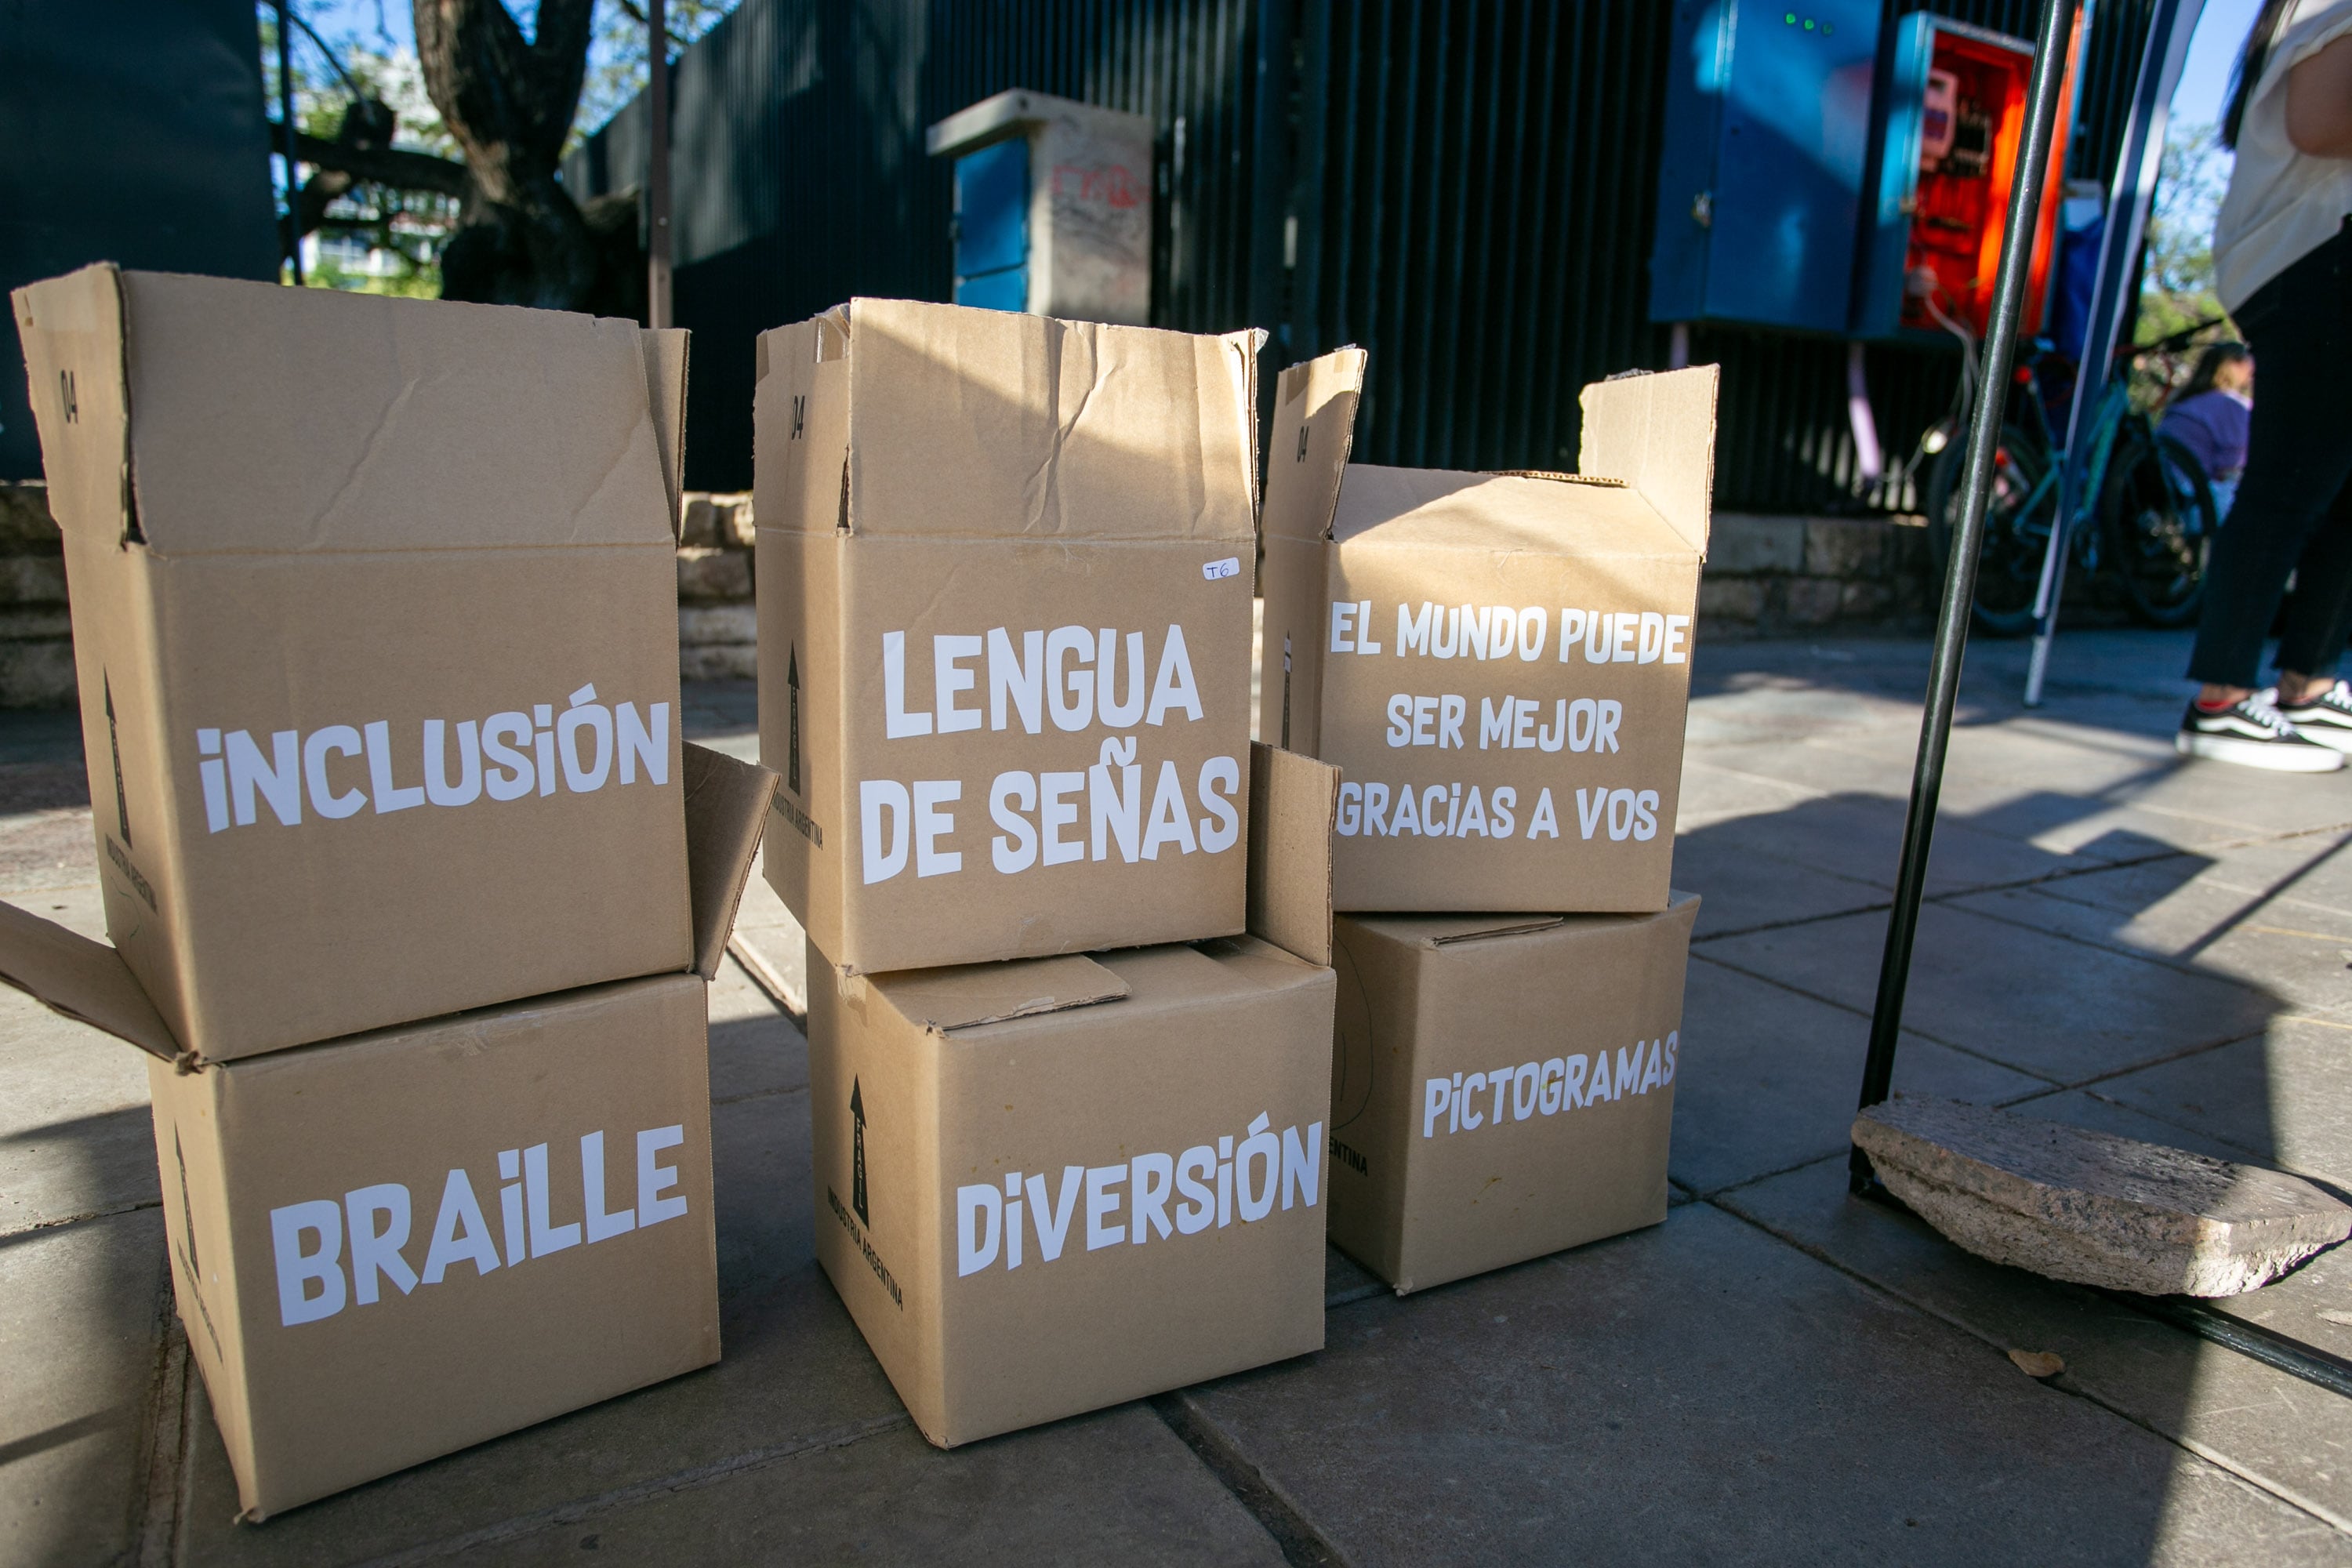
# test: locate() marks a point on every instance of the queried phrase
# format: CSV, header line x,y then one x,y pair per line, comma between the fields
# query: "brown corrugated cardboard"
x,y
1005,630
391,1245
1497,663
374,613
1501,1087
1051,1184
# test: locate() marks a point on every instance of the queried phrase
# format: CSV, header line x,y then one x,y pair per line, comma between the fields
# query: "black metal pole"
x,y
286,134
658,247
2049,80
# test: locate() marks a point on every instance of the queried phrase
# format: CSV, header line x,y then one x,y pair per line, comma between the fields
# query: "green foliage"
x,y
616,61
2178,287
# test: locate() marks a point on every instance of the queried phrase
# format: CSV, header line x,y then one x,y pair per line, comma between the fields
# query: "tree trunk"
x,y
510,104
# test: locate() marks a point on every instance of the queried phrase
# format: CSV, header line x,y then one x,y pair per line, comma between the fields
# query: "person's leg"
x,y
2299,459
2319,616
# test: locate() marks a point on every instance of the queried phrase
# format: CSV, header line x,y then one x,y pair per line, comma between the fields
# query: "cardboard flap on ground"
x,y
727,804
726,808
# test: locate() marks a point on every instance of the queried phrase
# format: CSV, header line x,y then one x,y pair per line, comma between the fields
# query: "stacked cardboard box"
x,y
1070,1002
412,886
1499,665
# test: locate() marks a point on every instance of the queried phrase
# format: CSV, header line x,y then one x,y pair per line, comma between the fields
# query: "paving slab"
x,y
2283,1096
2288,1436
81,1317
1768,1077
1700,1391
74,1135
1115,1487
795,1376
2061,1010
754,1047
1746,890
769,942
2292,951
1859,836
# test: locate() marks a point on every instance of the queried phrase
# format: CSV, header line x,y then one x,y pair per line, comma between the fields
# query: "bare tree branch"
x,y
510,104
379,165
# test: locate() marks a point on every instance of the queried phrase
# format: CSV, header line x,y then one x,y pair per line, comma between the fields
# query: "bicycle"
x,y
2146,520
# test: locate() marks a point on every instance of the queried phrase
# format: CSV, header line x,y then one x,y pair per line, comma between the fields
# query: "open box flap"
x,y
1314,430
665,352
726,807
992,424
71,328
82,979
966,995
1293,803
392,424
1656,432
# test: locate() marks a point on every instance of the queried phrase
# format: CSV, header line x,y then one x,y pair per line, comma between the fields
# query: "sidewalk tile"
x,y
2059,1009
2289,1436
1702,1392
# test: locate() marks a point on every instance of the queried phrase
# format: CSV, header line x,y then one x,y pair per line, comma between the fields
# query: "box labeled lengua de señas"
x,y
1052,1185
1499,664
1004,581
389,1247
375,623
1502,1087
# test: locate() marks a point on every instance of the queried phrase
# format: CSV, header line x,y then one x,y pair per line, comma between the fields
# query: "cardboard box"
x,y
1053,1185
1004,631
1498,663
390,1246
375,620
1501,1087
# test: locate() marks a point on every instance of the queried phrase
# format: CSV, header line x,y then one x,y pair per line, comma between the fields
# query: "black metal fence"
x,y
1465,187
130,130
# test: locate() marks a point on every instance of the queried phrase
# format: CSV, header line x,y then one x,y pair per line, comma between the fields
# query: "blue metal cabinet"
x,y
1760,185
992,226
1053,202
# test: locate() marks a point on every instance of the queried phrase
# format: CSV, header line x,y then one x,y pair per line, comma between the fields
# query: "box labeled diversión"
x,y
1052,1185
1499,664
1005,580
391,1245
375,621
1501,1087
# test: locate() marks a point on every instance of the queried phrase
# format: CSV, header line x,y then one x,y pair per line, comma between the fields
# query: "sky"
x,y
2213,50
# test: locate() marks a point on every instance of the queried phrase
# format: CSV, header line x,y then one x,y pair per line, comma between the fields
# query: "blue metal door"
x,y
1760,184
992,226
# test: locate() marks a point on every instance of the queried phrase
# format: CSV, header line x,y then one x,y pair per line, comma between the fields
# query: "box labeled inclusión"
x,y
389,1247
374,618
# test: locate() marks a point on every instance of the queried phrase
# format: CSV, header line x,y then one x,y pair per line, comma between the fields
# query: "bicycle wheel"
x,y
2159,519
2016,528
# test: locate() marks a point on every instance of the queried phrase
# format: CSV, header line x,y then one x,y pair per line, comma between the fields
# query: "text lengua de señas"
x,y
1113,794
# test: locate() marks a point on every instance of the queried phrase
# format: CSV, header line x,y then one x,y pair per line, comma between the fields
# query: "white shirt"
x,y
2282,205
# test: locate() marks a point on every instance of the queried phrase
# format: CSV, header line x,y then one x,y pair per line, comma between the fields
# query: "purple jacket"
x,y
2213,426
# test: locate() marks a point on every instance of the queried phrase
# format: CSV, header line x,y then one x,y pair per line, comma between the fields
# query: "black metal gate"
x,y
1465,187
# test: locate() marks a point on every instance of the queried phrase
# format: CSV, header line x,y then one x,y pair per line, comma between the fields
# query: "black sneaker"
x,y
2252,733
2327,718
